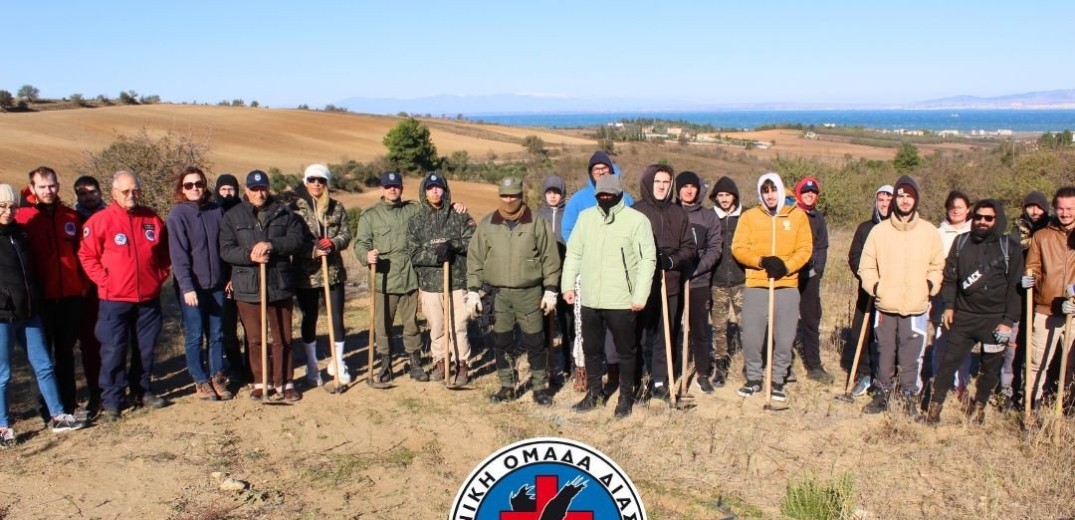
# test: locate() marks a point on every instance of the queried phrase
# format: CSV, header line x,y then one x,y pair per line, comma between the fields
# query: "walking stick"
x,y
380,385
667,335
1065,349
337,363
263,293
445,298
769,353
867,318
1028,346
684,379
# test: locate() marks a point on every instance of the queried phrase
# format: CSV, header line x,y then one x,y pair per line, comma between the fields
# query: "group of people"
x,y
617,280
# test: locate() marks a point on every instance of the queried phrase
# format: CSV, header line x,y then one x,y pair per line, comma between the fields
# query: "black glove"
x,y
774,267
443,252
666,262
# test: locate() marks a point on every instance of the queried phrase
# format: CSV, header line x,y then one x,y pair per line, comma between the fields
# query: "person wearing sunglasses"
x,y
124,251
200,276
981,296
326,218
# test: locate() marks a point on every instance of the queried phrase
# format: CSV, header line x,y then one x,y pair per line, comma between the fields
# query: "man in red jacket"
x,y
53,230
124,251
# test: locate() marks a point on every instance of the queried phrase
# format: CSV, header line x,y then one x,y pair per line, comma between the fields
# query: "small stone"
x,y
231,484
218,475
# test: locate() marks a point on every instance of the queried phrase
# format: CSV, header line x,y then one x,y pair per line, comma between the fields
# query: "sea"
x,y
963,120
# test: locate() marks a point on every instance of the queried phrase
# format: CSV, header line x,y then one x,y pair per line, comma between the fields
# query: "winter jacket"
x,y
948,233
1025,228
904,261
245,226
516,255
335,228
978,280
586,198
615,255
432,226
728,272
194,246
785,234
708,240
554,214
54,239
384,227
671,231
21,293
819,230
125,253
1052,261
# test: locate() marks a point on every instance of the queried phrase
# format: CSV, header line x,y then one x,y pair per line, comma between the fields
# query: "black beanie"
x,y
227,179
688,177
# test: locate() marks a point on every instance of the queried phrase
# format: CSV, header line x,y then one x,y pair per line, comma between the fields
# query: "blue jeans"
x,y
204,321
123,325
32,335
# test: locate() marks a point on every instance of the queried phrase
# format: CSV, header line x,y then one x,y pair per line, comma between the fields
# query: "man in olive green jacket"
x,y
513,255
381,241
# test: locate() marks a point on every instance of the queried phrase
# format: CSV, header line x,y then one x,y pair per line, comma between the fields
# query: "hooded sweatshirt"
x,y
978,280
432,226
585,198
1025,228
707,237
854,254
728,272
818,229
671,231
554,214
948,233
783,233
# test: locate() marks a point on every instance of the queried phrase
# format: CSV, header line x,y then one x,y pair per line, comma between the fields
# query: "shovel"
x,y
338,363
684,377
867,318
379,385
449,330
1028,324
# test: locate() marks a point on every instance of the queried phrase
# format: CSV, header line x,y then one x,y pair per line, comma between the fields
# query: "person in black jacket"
x,y
261,230
227,197
676,254
21,297
728,279
981,304
807,192
706,235
882,204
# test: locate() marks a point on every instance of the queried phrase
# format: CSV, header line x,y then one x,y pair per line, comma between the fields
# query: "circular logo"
x,y
70,229
85,232
547,478
507,182
391,176
151,235
257,177
121,239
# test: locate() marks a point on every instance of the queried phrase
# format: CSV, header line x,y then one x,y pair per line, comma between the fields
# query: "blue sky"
x,y
286,53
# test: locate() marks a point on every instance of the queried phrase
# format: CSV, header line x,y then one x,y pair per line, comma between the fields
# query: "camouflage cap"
x,y
511,186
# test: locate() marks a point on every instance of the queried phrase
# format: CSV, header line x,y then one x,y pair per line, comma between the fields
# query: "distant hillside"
x,y
1056,99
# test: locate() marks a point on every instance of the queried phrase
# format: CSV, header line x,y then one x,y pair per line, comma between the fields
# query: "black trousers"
x,y
701,299
966,331
621,323
234,349
810,320
650,332
309,300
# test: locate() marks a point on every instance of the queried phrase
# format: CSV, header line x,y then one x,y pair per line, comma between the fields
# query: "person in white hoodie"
x,y
956,222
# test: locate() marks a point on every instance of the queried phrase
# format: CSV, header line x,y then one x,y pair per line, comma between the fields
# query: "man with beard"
x,y
705,233
1034,217
901,268
227,197
807,192
88,191
514,256
981,304
882,204
728,279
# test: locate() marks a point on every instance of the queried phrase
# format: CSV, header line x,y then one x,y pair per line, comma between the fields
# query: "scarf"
x,y
511,211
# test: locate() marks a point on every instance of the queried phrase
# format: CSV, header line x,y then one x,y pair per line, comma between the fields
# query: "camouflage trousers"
x,y
725,316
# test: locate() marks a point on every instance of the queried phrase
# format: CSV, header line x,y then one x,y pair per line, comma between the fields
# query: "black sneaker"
x,y
820,375
152,401
705,385
660,391
505,395
749,389
879,403
589,401
542,398
778,394
718,379
624,406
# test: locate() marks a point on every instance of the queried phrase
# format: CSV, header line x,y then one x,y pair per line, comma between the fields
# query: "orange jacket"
x,y
785,235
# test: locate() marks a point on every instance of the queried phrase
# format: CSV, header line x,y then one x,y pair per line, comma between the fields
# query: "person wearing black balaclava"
x,y
227,197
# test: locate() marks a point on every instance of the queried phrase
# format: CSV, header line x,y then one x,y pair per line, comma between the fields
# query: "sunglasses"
x,y
191,185
986,218
317,180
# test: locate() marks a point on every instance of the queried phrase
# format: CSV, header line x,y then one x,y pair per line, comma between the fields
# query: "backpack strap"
x,y
961,240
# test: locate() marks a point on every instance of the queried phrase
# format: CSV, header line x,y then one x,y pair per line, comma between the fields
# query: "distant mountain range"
x,y
497,104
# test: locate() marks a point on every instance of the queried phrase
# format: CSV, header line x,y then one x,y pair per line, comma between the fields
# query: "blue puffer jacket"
x,y
585,198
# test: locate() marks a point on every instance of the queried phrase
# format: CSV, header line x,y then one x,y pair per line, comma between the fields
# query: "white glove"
x,y
1002,337
1068,307
473,302
548,302
1027,282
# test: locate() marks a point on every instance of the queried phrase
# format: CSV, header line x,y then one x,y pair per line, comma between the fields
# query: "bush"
x,y
809,499
156,162
129,97
29,93
77,99
410,147
353,215
6,99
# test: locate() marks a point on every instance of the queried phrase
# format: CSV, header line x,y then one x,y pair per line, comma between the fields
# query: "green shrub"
x,y
809,499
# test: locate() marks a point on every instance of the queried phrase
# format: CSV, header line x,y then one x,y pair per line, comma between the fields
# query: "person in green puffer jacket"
x,y
513,255
436,235
327,220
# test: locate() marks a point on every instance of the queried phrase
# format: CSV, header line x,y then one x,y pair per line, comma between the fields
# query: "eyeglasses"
x,y
317,180
191,185
986,218
130,191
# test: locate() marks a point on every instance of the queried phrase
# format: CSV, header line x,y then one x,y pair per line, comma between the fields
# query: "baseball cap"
x,y
257,179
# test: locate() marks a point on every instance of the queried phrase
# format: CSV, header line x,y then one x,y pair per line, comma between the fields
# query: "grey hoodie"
x,y
706,233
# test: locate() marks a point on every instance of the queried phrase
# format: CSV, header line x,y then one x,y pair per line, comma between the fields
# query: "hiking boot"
x,y
291,395
8,438
976,414
624,406
589,401
705,385
65,423
152,401
506,394
205,392
749,389
256,394
778,394
110,415
878,404
462,375
612,381
909,402
438,370
220,386
93,406
720,374
933,414
820,375
417,373
862,386
660,391
384,374
542,398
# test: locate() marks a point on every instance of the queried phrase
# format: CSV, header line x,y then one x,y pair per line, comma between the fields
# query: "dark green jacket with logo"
x,y
432,226
518,256
384,227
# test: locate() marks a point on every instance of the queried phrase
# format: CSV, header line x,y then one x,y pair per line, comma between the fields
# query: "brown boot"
x,y
462,377
205,392
220,386
976,413
933,414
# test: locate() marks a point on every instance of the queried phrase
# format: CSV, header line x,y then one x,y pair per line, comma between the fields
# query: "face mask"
x,y
606,205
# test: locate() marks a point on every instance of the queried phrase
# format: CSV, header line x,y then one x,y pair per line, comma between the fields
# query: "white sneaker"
x,y
345,377
7,438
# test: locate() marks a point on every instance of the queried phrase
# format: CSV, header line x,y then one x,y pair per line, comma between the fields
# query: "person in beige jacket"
x,y
901,268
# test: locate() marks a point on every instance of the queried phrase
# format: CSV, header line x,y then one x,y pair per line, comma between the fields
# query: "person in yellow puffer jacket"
x,y
773,242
